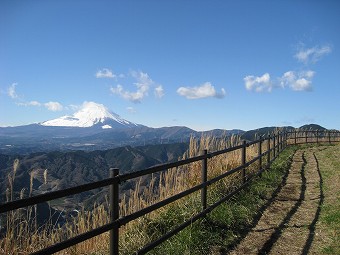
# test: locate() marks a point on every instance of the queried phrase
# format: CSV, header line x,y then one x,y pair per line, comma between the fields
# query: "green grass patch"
x,y
329,164
225,225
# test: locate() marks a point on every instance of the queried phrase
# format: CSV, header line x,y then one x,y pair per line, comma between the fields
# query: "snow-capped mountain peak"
x,y
90,114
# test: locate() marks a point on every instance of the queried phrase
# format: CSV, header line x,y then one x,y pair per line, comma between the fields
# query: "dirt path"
x,y
287,225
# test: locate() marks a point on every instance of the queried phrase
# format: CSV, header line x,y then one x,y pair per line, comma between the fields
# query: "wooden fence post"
x,y
260,153
114,207
268,147
278,143
306,132
274,146
204,178
295,136
244,159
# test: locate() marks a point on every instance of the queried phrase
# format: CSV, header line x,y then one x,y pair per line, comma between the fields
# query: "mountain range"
x,y
93,127
78,149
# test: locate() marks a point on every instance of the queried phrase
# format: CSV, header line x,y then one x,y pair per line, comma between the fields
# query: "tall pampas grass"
x,y
30,237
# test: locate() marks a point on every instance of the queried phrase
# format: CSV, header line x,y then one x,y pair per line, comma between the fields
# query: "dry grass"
x,y
24,236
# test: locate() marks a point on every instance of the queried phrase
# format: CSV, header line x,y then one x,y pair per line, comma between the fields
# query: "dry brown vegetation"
x,y
24,236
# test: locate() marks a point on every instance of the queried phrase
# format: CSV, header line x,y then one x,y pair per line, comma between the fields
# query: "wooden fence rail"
x,y
276,143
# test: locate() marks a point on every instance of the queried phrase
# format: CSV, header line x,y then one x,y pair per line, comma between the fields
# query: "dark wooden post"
x,y
306,132
204,178
279,141
268,147
114,207
329,137
295,136
260,154
244,159
274,146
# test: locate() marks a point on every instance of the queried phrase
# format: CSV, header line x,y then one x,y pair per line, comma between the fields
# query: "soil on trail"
x,y
287,225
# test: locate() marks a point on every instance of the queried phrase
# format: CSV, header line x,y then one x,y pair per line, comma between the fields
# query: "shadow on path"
x,y
278,230
311,227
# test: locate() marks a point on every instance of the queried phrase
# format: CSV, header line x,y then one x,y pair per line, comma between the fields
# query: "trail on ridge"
x,y
287,225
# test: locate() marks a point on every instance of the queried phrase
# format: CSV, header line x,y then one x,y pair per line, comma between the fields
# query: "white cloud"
x,y
143,84
51,106
34,103
302,85
105,73
258,83
54,106
31,103
202,91
295,80
131,109
298,81
135,97
312,55
287,78
159,91
11,91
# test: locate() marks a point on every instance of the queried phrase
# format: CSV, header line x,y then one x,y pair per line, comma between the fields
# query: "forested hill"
x,y
68,169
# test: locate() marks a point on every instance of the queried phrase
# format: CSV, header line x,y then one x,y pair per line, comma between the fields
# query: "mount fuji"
x,y
91,114
92,127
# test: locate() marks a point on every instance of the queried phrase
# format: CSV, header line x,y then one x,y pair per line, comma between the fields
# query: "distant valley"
x,y
68,169
81,148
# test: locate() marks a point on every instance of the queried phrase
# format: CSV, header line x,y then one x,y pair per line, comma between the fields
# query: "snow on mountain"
x,y
89,115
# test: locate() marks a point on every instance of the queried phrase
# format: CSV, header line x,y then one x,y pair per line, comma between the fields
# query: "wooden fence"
x,y
275,144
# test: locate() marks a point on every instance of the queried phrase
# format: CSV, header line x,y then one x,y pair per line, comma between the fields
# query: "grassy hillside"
x,y
215,234
329,225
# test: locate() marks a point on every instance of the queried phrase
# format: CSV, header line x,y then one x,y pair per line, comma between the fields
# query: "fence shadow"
x,y
244,232
311,227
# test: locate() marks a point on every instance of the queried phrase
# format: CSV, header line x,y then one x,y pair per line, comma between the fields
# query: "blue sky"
x,y
200,64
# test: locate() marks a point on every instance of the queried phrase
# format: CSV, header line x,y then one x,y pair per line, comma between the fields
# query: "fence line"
x,y
276,143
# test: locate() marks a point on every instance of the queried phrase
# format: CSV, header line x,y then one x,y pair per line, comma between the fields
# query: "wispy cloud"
x,y
105,73
54,106
143,83
135,97
203,91
258,83
295,80
312,55
298,81
51,106
159,91
11,91
31,103
131,109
